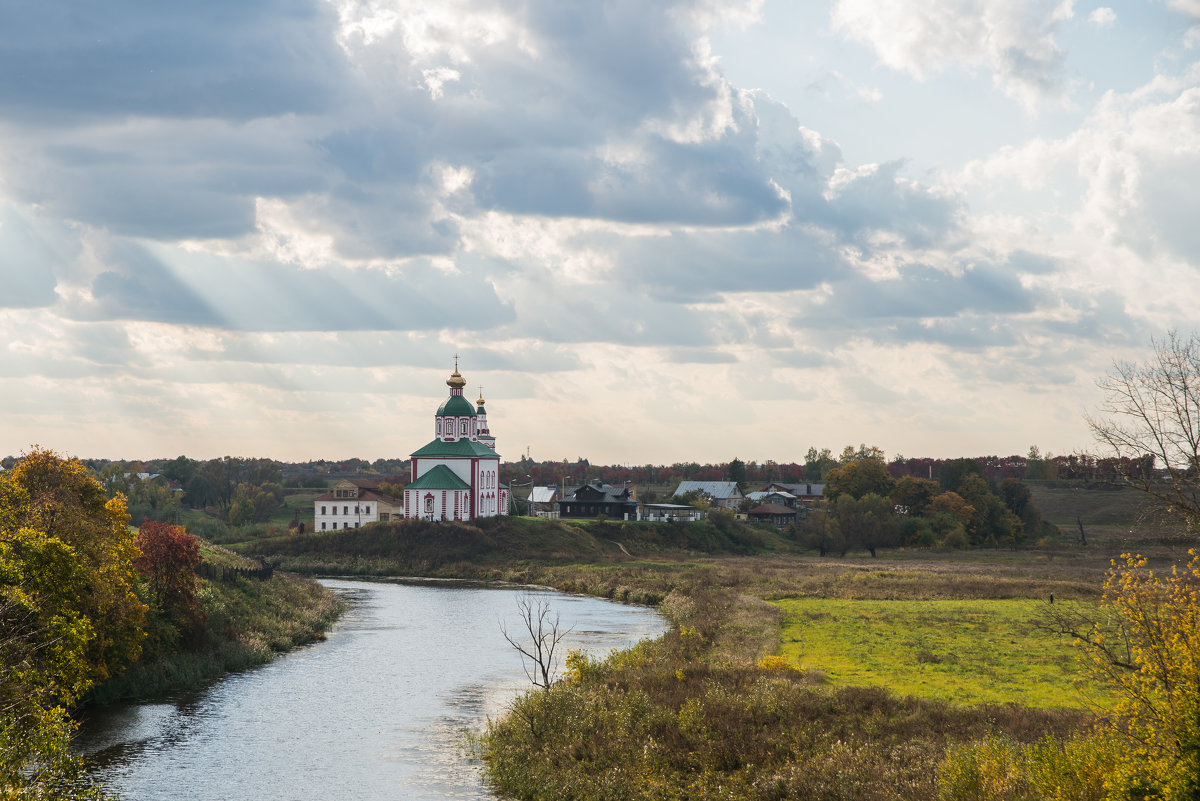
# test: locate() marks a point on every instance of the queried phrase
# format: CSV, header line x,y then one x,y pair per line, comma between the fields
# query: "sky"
x,y
651,232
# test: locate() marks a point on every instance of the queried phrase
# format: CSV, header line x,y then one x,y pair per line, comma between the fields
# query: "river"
x,y
381,710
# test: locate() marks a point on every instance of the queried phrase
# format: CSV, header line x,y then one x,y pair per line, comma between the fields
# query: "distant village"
x,y
458,475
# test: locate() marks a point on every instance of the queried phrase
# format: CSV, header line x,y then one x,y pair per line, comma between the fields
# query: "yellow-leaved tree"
x,y
62,501
1151,657
69,616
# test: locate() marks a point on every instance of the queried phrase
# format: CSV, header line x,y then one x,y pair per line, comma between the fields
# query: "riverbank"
x,y
712,710
709,711
249,619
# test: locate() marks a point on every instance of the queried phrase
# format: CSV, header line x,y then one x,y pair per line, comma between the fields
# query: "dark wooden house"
x,y
593,500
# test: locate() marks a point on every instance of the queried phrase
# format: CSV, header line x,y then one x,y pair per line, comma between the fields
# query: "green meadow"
x,y
963,651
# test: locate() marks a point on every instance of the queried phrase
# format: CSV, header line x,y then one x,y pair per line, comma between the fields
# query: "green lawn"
x,y
967,652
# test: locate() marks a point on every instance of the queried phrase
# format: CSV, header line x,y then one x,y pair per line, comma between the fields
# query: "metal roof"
x,y
456,406
714,489
543,494
439,478
460,448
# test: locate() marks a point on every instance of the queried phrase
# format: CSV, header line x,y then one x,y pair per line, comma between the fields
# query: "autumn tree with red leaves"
x,y
168,564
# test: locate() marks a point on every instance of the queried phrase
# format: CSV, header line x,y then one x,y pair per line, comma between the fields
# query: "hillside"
x,y
1064,503
456,548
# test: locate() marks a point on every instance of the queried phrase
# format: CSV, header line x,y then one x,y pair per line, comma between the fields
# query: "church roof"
x,y
439,478
456,406
459,448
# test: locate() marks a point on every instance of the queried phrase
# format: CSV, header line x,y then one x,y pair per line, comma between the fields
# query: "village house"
x,y
807,494
592,500
773,513
721,494
543,502
352,503
775,496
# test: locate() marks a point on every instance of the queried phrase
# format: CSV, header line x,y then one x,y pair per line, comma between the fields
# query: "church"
x,y
457,475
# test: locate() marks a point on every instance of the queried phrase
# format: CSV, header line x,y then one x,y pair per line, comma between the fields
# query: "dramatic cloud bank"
x,y
267,228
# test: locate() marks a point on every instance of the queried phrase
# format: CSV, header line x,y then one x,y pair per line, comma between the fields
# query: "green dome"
x,y
456,406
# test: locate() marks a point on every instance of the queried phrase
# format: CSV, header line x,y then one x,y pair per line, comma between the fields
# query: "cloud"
x,y
1137,159
1102,17
1191,7
220,59
1015,40
160,285
31,252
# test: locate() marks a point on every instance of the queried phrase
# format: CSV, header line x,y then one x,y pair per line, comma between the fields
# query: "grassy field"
x,y
1095,506
967,652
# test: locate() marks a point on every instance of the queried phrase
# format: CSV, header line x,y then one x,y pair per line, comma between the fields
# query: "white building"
x,y
354,502
457,475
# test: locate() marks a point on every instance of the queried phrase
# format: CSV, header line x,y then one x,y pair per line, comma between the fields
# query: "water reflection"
x,y
380,710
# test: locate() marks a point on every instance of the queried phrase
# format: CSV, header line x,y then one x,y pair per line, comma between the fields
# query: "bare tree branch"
x,y
1150,419
538,643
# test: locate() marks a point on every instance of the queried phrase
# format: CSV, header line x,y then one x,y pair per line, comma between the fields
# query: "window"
x,y
322,525
429,504
439,428
322,510
463,428
356,509
345,510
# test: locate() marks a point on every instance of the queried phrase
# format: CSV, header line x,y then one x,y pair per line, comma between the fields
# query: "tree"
x,y
991,523
61,500
1146,646
737,472
859,478
68,617
819,529
817,464
914,494
953,472
539,655
1019,500
180,469
168,562
1151,413
868,522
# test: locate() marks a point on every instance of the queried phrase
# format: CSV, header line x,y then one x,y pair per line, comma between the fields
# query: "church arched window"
x,y
463,428
439,428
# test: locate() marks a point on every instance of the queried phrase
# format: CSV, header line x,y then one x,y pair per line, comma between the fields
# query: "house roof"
x,y
758,496
439,478
543,494
362,483
772,509
721,490
801,490
460,448
603,493
365,495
